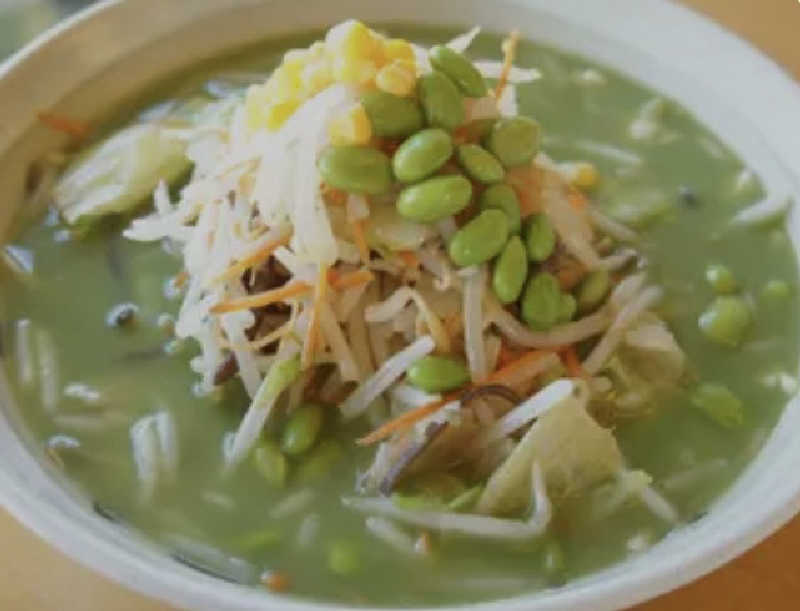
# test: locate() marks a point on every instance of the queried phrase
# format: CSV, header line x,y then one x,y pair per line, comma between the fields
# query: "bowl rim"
x,y
60,529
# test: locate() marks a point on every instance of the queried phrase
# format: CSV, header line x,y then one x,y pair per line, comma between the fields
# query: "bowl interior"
x,y
89,66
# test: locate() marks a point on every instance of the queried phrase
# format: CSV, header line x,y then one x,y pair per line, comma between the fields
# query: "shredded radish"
x,y
612,228
391,534
474,347
24,353
461,43
48,374
335,338
292,504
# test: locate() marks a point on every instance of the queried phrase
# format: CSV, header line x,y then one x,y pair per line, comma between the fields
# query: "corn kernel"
x,y
354,71
351,39
316,76
585,175
352,127
397,48
275,115
398,77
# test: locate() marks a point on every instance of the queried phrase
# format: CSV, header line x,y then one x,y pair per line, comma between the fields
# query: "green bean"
x,y
726,321
503,197
438,373
569,306
540,237
719,404
459,69
593,289
720,278
510,271
514,141
435,198
541,302
480,239
344,558
280,375
441,100
392,116
271,464
480,164
422,154
302,429
319,462
776,290
356,169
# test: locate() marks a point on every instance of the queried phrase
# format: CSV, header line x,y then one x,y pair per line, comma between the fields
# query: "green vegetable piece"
x,y
510,271
593,289
260,539
356,169
503,197
466,500
319,462
271,464
514,141
553,560
422,154
541,302
569,306
720,278
392,116
480,164
344,558
302,429
280,375
459,69
776,290
726,321
438,373
418,502
540,237
719,404
442,102
434,199
479,240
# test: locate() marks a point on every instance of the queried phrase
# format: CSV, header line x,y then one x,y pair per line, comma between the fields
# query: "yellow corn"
x,y
354,71
353,127
585,175
352,40
399,77
397,48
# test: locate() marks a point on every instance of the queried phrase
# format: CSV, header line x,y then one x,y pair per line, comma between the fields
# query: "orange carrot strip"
x,y
405,420
343,281
578,200
282,293
313,336
361,240
569,277
572,363
180,278
525,360
509,47
255,257
409,259
67,125
275,581
506,356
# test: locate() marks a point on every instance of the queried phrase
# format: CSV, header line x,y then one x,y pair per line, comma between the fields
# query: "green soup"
x,y
680,188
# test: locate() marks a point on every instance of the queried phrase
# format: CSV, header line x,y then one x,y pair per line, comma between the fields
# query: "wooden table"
x,y
35,577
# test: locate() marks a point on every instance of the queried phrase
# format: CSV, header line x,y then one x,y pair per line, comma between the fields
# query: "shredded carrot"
x,y
313,336
275,581
509,48
67,125
333,196
180,278
255,257
527,183
578,200
569,357
361,240
526,360
287,291
409,259
506,356
405,420
344,281
570,276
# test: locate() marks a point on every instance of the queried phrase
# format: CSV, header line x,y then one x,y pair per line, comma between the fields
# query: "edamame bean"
x,y
719,404
776,290
720,278
541,302
540,237
514,141
302,429
343,558
435,198
726,321
356,169
271,464
422,154
480,239
569,305
503,197
593,290
510,271
442,102
319,462
459,69
392,116
480,164
438,373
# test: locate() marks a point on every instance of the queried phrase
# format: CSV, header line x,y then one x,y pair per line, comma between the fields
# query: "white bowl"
x,y
89,64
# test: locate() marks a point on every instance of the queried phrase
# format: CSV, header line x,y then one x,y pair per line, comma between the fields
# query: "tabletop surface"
x,y
34,576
